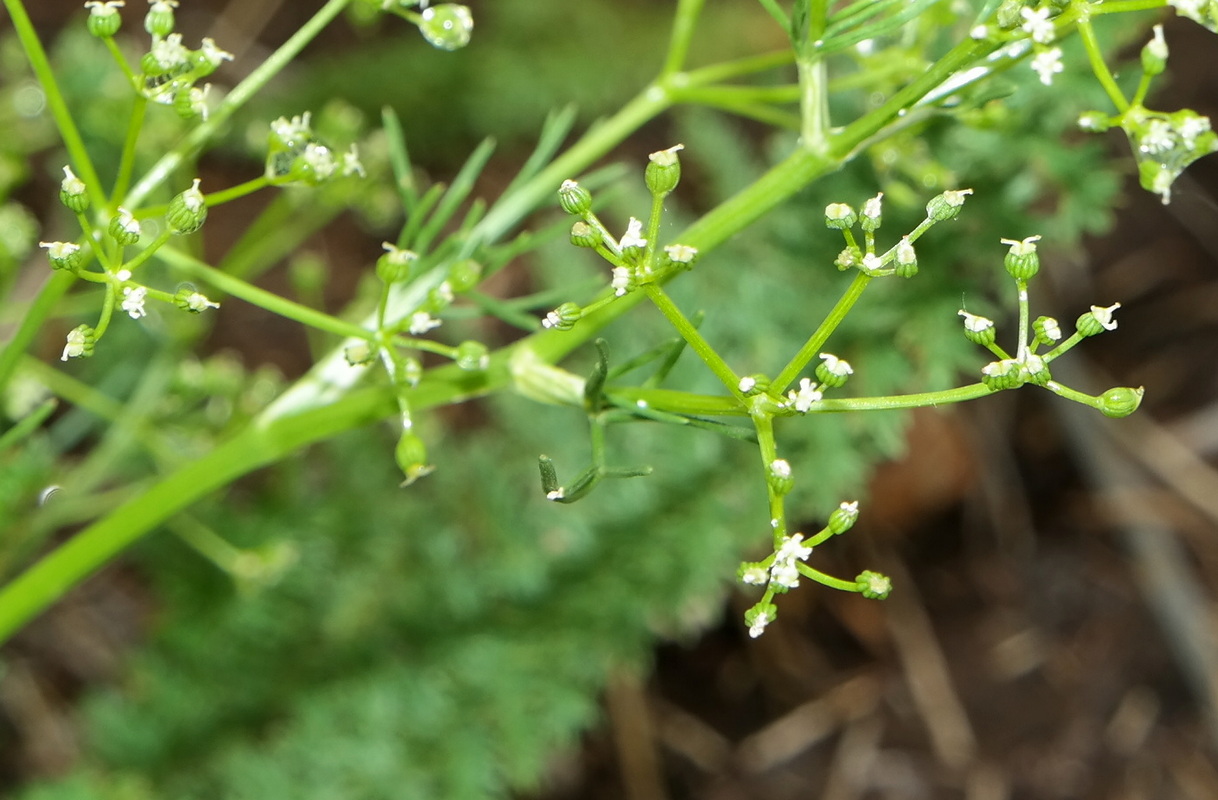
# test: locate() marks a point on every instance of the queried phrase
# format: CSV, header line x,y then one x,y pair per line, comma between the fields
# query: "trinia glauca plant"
x,y
133,246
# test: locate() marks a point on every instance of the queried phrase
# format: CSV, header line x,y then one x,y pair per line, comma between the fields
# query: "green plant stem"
x,y
817,340
193,268
684,21
240,190
1095,56
127,163
691,335
233,101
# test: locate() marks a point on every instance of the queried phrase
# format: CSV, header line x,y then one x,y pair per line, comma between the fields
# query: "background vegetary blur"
x,y
1051,633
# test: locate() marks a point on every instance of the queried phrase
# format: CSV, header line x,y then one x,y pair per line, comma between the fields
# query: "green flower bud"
x,y
159,20
873,585
564,317
832,372
187,211
359,353
447,26
190,102
1008,15
779,477
947,205
1004,374
1154,54
80,342
753,573
840,217
464,275
472,356
104,19
191,301
73,193
872,214
411,455
395,265
681,255
1121,401
64,255
1021,262
1046,331
1035,370
584,235
574,199
1097,320
906,259
978,330
1094,121
843,517
124,228
754,384
758,617
663,171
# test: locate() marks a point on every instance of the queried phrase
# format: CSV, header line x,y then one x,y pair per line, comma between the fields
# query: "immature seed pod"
x,y
947,205
663,171
1021,262
187,211
124,228
584,235
159,21
72,192
1121,401
574,199
104,19
64,255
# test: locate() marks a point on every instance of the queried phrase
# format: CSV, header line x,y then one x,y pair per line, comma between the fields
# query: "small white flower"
x,y
351,165
292,130
1023,247
193,199
1158,45
98,8
127,222
1189,129
170,53
1047,63
421,322
681,253
872,207
1036,22
552,319
793,548
755,575
666,158
905,252
60,250
76,345
747,383
1160,137
133,301
556,494
836,366
974,323
979,32
759,623
74,185
780,468
803,399
1104,316
319,159
197,302
785,573
872,262
212,54
634,235
621,280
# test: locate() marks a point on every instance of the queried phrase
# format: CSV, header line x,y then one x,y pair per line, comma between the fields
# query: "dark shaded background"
x,y
1053,632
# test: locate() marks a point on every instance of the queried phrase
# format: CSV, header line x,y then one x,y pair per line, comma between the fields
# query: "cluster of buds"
x,y
1028,364
186,214
781,571
634,258
901,259
1163,144
170,71
296,154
